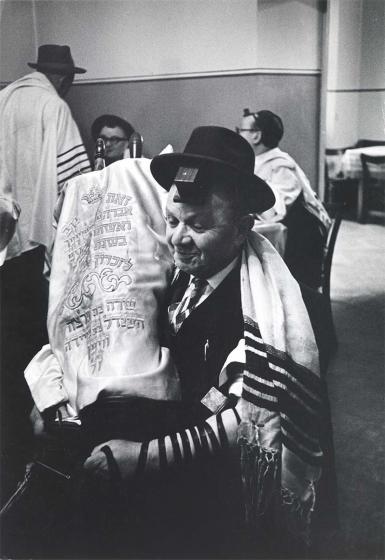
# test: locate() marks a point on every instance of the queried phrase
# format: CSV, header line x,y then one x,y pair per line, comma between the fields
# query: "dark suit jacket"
x,y
207,336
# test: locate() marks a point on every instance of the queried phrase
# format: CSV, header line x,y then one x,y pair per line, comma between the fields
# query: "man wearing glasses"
x,y
297,205
115,132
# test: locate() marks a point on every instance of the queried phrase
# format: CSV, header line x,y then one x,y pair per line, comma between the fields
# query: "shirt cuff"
x,y
45,380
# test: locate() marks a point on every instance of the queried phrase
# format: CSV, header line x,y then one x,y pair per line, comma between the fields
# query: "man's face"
x,y
65,85
248,130
203,238
115,141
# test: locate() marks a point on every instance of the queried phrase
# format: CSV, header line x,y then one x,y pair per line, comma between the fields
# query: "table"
x,y
351,160
352,169
275,232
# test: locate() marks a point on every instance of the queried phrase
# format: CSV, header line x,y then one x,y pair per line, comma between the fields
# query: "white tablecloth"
x,y
351,161
275,232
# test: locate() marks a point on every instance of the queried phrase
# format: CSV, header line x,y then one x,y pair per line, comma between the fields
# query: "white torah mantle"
x,y
110,270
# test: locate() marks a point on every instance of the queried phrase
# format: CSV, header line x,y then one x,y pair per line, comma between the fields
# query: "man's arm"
x,y
217,434
286,186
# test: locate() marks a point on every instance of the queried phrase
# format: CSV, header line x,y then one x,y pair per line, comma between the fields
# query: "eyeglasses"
x,y
239,130
112,139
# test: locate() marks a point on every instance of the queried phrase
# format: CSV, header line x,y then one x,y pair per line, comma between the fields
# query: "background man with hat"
x,y
296,204
249,370
40,148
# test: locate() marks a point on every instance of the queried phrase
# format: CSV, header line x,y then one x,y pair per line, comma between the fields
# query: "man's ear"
x,y
257,137
245,224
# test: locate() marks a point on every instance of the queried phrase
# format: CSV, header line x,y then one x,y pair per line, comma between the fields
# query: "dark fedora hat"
x,y
57,59
214,154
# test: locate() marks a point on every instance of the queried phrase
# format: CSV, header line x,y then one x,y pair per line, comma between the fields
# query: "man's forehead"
x,y
190,206
249,119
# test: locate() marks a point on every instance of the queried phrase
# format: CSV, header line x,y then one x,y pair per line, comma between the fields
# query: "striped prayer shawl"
x,y
281,396
40,149
71,162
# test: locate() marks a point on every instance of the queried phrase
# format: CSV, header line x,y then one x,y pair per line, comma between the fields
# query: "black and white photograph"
x,y
192,274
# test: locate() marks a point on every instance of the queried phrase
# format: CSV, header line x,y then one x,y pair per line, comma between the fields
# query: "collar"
x,y
218,278
269,154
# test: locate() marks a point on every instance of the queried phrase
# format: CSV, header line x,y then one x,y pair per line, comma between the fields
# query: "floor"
x,y
356,388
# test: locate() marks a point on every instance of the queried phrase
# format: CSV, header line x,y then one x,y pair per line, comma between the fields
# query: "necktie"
x,y
189,301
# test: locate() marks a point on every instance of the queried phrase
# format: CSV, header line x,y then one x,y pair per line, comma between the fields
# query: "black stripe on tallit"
x,y
303,420
293,400
73,174
305,455
70,150
304,376
80,158
298,435
258,400
300,417
279,358
297,389
309,380
60,162
257,385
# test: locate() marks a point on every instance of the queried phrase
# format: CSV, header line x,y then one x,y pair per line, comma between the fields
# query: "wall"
x,y
167,110
371,107
173,64
356,71
17,38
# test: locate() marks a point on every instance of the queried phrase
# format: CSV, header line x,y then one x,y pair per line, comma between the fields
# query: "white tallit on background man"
x,y
40,148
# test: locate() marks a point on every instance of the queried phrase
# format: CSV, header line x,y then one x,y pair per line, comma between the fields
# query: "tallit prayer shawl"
x,y
40,149
110,269
281,396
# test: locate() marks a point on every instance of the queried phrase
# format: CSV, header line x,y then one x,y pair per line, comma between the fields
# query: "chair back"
x,y
373,167
373,176
334,177
335,212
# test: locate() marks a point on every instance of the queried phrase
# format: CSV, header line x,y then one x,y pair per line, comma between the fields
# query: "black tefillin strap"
x,y
205,444
142,459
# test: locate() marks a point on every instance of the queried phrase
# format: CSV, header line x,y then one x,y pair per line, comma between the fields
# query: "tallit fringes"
x,y
269,509
260,471
296,518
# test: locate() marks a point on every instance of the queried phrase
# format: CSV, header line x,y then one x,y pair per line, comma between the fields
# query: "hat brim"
x,y
57,67
258,195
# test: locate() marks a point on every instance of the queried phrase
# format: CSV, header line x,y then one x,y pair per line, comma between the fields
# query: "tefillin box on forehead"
x,y
192,184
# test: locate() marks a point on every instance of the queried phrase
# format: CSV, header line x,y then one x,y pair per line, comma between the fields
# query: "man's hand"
x,y
126,454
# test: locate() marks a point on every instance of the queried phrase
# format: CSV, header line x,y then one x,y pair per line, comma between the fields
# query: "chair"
x,y
335,212
372,186
337,187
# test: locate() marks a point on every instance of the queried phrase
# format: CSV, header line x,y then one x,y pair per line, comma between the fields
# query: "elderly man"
x,y
40,148
249,371
296,205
